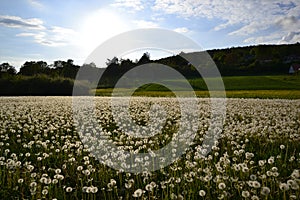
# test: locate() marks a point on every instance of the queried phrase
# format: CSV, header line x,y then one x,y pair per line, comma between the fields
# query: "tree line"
x,y
41,78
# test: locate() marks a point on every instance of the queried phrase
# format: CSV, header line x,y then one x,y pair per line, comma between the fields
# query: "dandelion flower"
x,y
149,188
138,193
202,193
256,184
20,180
69,189
265,191
283,186
94,189
245,194
222,186
254,197
44,192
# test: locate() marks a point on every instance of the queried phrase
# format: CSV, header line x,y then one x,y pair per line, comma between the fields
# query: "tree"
x,y
113,61
69,70
144,59
7,68
33,68
65,69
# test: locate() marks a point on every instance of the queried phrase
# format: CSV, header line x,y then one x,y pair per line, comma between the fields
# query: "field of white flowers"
x,y
256,157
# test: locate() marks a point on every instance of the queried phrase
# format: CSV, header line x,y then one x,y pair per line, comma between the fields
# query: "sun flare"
x,y
99,26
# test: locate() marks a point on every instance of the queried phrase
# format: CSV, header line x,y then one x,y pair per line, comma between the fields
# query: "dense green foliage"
x,y
39,78
38,85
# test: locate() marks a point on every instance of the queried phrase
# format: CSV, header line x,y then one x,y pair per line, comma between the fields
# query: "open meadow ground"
x,y
263,87
256,157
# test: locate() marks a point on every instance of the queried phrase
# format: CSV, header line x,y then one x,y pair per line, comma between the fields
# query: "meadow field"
x,y
257,155
263,87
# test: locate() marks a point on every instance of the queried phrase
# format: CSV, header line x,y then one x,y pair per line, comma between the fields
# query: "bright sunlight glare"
x,y
99,26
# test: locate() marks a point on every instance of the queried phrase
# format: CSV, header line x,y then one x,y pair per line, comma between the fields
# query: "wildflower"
x,y
153,184
245,194
69,189
33,184
271,160
256,184
261,163
173,196
292,158
84,189
292,196
138,193
275,174
149,188
295,174
47,181
20,180
202,193
128,185
265,191
253,177
245,169
94,189
86,172
269,173
283,186
254,197
222,186
293,184
44,192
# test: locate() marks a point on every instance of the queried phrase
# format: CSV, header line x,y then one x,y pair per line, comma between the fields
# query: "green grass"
x,y
278,82
283,87
261,94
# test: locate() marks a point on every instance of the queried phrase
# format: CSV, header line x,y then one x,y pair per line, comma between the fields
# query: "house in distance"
x,y
294,68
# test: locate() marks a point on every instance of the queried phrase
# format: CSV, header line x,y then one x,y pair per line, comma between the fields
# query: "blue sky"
x,y
53,30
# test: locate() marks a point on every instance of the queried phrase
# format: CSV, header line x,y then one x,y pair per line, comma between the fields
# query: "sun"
x,y
100,26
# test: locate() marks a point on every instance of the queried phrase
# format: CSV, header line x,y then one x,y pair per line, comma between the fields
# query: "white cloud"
x,y
181,30
35,4
145,24
55,36
18,22
288,23
133,5
267,39
246,17
250,28
291,37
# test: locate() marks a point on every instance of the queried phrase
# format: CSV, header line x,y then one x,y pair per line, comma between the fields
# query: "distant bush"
x,y
39,85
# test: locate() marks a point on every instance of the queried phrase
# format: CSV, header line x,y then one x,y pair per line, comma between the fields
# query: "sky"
x,y
58,30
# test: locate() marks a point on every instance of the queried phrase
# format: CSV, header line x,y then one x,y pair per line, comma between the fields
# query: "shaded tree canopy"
x,y
7,68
